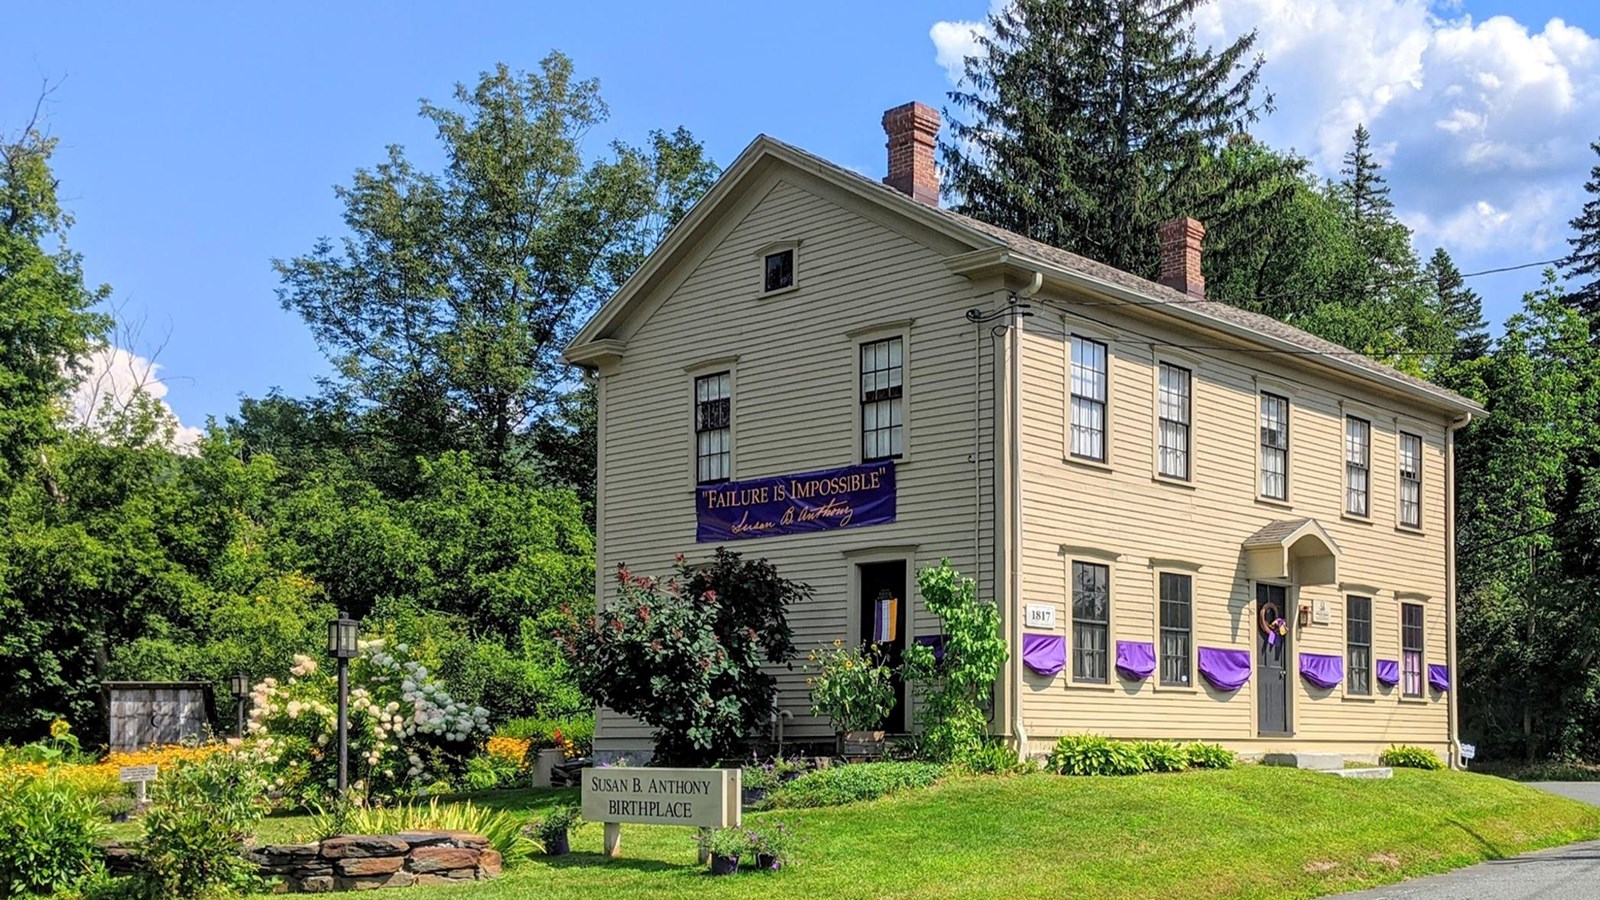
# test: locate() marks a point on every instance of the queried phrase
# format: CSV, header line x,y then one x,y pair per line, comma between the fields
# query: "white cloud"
x,y
1484,125
112,378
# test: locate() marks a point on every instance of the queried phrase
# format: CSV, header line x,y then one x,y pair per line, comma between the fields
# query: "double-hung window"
x,y
1411,649
1089,377
1357,465
1274,447
882,399
1091,618
1173,425
1358,643
1177,608
1410,480
713,427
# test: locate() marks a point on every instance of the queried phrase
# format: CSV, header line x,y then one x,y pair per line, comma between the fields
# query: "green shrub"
x,y
1094,754
488,771
1162,756
838,785
994,757
48,832
541,731
1405,757
1209,756
952,691
202,811
503,831
851,687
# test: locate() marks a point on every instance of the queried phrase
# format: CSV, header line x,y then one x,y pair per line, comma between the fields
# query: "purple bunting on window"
x,y
1227,670
1322,670
1388,672
1439,677
1135,659
1045,654
936,641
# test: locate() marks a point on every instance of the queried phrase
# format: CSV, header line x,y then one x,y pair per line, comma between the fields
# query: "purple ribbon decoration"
x,y
1227,670
1388,672
1045,654
1439,677
1135,659
1322,670
937,642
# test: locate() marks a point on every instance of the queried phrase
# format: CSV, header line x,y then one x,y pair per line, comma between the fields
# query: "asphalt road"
x,y
1561,873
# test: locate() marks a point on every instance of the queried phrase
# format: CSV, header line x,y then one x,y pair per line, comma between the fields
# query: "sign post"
x,y
137,776
702,798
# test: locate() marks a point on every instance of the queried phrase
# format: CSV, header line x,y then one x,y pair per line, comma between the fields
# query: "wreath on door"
x,y
1270,618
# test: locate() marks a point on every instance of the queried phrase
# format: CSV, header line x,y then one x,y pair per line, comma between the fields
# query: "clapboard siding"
x,y
794,410
1122,509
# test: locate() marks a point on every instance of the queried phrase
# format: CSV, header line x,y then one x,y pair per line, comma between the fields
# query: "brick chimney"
x,y
913,131
1181,241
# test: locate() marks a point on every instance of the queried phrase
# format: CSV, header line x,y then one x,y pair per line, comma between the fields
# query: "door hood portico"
x,y
1292,549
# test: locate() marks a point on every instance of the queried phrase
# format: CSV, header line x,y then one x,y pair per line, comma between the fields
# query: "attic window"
x,y
779,270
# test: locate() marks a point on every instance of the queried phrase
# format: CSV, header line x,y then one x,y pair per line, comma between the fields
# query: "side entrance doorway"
x,y
883,619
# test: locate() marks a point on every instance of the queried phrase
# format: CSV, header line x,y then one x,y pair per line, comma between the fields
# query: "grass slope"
x,y
1249,832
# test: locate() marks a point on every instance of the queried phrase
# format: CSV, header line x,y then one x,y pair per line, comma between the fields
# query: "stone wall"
x,y
361,861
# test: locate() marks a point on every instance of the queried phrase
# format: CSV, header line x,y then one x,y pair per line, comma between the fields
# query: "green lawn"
x,y
1250,832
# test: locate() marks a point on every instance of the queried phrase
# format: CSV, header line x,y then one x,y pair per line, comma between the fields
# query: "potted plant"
x,y
771,844
553,751
854,689
553,832
724,846
118,807
756,779
789,769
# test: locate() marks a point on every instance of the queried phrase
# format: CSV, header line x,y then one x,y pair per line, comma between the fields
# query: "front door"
x,y
883,622
1272,660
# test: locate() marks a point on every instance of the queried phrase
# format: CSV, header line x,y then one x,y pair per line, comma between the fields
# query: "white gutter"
x,y
1452,711
1014,558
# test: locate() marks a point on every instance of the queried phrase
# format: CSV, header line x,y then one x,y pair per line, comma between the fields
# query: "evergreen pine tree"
x,y
1459,306
1089,122
1364,187
1585,258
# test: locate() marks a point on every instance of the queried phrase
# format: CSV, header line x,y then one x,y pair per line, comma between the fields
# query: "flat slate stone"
x,y
370,865
1303,760
439,859
1370,772
348,846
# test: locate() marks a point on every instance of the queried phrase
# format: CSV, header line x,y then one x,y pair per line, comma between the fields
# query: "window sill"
x,y
1090,685
1352,517
1185,483
1408,529
1175,688
1359,698
779,292
1415,701
1269,501
900,462
1085,462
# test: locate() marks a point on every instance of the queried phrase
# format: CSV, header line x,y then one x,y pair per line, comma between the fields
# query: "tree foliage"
x,y
1088,122
1584,262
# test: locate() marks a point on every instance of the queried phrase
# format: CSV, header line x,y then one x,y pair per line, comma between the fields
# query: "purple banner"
x,y
792,504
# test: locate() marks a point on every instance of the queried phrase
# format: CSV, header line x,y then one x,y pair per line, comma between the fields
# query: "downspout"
x,y
1014,558
1452,711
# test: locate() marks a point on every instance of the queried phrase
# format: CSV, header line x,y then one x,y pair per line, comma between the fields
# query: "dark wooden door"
x,y
883,582
1272,661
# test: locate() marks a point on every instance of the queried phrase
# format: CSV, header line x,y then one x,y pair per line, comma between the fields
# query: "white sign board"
x,y
1321,614
131,774
1040,615
708,798
1469,751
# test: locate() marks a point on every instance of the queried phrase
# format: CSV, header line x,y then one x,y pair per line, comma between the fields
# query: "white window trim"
x,y
1407,427
1191,365
1191,572
1289,481
1348,411
1074,331
1372,645
1401,601
902,330
1094,558
729,364
761,267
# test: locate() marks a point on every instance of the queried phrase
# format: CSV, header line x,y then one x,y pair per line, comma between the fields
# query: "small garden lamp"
x,y
240,683
342,647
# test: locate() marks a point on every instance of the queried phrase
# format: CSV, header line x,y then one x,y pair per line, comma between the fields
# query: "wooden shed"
x,y
145,713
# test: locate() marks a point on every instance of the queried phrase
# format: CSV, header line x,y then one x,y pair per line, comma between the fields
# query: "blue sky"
x,y
200,141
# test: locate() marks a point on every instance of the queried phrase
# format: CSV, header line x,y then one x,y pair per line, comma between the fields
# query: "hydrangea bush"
x,y
407,734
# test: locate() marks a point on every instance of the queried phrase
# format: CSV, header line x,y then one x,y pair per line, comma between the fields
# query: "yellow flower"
x,y
60,729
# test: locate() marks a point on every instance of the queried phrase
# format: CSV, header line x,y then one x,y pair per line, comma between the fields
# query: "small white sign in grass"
x,y
703,798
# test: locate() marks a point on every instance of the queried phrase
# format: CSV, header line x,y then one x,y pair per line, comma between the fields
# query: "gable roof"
x,y
1084,273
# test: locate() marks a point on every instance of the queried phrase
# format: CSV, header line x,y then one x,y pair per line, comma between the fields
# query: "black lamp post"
x,y
342,647
241,689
